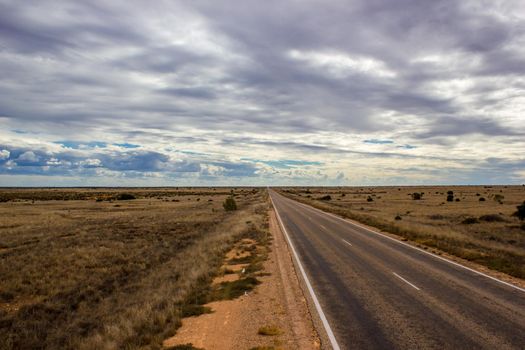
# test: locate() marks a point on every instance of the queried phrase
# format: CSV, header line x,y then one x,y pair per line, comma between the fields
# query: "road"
x,y
380,293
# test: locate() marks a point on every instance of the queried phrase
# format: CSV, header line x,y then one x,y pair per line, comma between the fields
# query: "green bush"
x,y
229,204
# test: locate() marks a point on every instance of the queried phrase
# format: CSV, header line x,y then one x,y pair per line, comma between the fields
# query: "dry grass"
x,y
485,232
84,274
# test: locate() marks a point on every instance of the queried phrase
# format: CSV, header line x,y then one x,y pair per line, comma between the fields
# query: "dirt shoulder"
x,y
276,307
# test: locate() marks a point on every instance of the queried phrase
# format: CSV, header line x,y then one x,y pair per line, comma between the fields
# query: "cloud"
x,y
4,154
124,88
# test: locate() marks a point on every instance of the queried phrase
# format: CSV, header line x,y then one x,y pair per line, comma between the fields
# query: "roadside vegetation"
x,y
92,269
477,223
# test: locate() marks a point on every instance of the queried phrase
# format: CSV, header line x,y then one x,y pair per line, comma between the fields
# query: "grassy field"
x,y
81,269
475,223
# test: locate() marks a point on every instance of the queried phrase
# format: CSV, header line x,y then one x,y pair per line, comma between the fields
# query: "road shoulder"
x,y
277,303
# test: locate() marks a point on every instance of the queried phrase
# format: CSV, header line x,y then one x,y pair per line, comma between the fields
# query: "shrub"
x,y
457,199
269,330
125,196
416,196
325,198
481,199
229,204
450,193
436,217
370,199
450,197
398,217
470,221
520,213
491,218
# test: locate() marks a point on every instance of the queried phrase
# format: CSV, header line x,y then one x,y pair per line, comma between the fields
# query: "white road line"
x,y
411,246
326,325
404,280
344,240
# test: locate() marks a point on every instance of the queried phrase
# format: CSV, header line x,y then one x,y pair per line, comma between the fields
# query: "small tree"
x,y
229,204
521,211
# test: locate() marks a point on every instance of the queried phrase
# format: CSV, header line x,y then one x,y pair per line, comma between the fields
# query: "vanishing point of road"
x,y
375,292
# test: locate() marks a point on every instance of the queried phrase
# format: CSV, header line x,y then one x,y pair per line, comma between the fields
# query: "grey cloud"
x,y
117,69
453,126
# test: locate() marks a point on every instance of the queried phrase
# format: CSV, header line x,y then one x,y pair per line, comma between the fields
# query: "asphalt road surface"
x,y
379,293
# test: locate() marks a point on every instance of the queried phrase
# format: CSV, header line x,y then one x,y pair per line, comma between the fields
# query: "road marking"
x,y
404,280
326,325
344,240
411,246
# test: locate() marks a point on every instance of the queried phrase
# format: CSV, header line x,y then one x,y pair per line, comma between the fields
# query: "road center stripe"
x,y
344,240
404,280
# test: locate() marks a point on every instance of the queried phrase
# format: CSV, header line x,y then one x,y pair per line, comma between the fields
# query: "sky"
x,y
222,93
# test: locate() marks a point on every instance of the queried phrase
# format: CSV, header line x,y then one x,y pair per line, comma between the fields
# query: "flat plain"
x,y
476,223
82,269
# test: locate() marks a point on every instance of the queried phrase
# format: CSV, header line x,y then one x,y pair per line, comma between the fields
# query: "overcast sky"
x,y
371,92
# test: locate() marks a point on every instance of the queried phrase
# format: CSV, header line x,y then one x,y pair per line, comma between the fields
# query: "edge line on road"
x,y
318,307
411,246
404,280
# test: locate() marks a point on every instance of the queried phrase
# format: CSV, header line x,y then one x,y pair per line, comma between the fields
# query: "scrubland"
x,y
80,269
477,223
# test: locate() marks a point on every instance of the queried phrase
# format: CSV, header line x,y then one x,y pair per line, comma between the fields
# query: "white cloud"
x,y
4,154
341,65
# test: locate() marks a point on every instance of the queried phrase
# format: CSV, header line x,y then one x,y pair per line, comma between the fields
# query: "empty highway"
x,y
379,293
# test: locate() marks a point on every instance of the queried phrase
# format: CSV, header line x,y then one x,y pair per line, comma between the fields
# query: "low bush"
x,y
370,199
436,217
326,198
398,217
520,213
229,204
417,196
491,218
482,199
450,197
125,196
269,330
470,221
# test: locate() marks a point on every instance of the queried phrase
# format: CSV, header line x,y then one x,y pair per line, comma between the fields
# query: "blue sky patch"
x,y
80,144
126,145
378,141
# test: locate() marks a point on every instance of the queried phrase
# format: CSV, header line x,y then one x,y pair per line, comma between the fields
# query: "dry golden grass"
x,y
113,274
498,243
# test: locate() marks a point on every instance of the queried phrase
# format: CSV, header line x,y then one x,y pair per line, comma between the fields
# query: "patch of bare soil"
x,y
277,303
